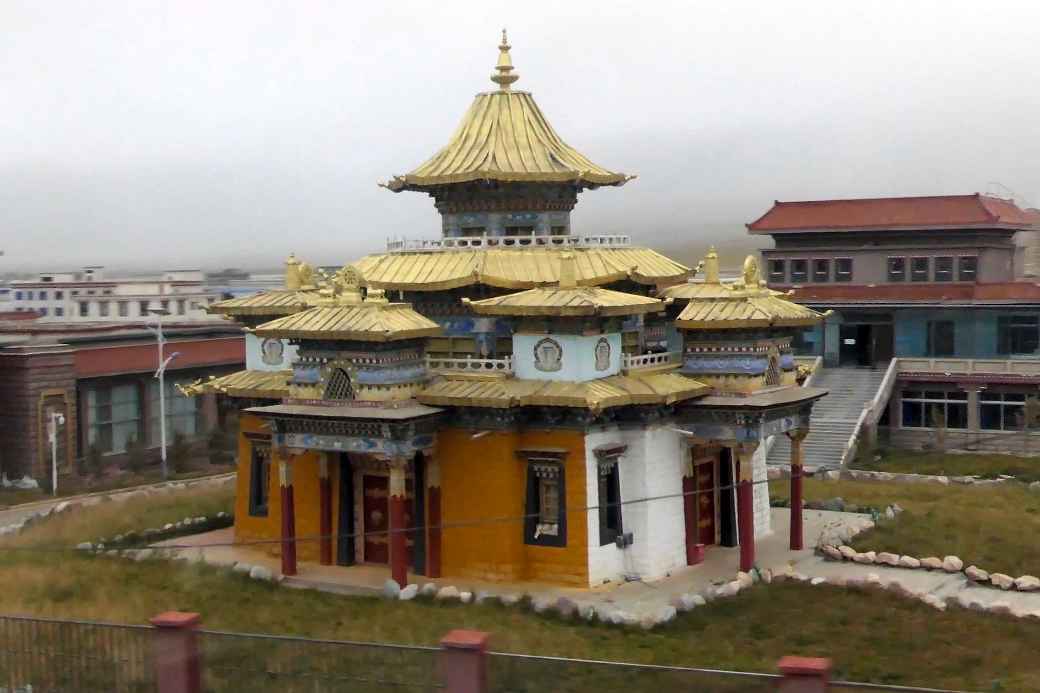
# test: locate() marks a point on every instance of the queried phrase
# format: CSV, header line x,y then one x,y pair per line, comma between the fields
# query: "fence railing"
x,y
174,655
954,366
470,365
636,362
418,245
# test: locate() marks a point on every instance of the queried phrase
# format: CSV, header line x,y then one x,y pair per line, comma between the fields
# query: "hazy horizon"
x,y
158,135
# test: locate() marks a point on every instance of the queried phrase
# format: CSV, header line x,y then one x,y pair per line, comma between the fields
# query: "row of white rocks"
x,y
949,564
962,598
153,533
566,607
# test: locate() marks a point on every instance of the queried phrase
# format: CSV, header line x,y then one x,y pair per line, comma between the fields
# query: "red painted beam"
x,y
141,358
325,520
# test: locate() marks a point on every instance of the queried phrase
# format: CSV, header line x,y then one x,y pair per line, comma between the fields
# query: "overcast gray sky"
x,y
183,133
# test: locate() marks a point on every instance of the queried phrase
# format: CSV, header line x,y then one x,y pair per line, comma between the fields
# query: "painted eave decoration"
x,y
505,137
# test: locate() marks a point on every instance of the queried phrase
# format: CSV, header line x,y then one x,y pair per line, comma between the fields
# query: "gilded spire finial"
x,y
568,272
711,267
504,76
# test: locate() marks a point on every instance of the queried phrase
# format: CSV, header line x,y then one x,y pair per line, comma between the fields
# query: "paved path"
x,y
918,581
17,513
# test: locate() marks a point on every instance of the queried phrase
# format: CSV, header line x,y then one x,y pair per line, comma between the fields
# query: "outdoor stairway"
x,y
833,417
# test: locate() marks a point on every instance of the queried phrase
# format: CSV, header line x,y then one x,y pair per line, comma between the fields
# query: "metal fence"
x,y
241,662
40,655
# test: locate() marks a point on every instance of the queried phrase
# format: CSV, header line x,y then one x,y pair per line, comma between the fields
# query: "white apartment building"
x,y
89,296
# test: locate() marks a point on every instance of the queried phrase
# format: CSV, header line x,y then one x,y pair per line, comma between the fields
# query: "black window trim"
x,y
889,274
928,269
556,458
805,273
608,458
826,274
257,458
839,276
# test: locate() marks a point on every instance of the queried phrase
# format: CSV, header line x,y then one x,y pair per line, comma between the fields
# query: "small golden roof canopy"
x,y
708,287
374,320
250,384
748,302
567,299
515,268
505,137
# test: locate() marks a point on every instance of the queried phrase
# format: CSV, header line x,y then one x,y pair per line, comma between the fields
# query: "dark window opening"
x,y
799,270
919,269
934,409
778,271
944,269
940,338
1018,334
339,386
545,523
821,271
967,269
843,269
609,501
259,479
472,231
84,309
558,230
519,230
897,269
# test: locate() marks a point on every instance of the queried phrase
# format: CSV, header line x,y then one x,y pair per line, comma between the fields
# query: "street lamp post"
x,y
160,373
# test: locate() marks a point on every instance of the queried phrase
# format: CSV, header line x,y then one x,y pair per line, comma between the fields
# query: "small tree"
x,y
136,456
95,461
180,453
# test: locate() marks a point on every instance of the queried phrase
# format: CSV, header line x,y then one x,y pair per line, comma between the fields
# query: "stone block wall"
x,y
28,374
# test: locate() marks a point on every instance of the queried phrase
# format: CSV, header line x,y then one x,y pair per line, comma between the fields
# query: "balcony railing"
x,y
469,365
422,245
968,366
634,363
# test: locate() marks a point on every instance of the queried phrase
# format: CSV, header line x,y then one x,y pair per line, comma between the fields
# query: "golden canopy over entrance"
x,y
505,137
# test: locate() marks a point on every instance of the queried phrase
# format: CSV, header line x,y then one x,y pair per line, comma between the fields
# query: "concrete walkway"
x,y
637,598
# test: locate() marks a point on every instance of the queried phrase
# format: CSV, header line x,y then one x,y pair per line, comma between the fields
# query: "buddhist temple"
x,y
513,400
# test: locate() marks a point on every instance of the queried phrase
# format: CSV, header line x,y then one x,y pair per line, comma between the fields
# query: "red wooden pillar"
x,y
398,535
463,662
433,518
288,516
176,652
797,532
689,488
745,510
324,511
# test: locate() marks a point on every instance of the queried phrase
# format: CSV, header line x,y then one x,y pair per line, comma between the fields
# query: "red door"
x,y
376,507
704,474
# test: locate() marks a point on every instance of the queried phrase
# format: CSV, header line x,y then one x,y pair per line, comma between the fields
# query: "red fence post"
x,y
804,675
464,661
176,652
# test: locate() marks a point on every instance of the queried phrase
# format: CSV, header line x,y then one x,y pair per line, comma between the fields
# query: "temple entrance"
x,y
727,499
346,552
375,505
866,344
704,474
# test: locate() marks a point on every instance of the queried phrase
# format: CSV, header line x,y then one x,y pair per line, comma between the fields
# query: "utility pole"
x,y
55,419
160,373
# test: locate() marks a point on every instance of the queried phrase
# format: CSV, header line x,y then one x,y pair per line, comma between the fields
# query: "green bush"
x,y
94,462
136,456
219,446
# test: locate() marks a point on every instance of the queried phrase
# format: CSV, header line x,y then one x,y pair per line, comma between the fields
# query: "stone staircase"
x,y
833,418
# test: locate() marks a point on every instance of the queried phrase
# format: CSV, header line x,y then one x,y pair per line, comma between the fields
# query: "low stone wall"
x,y
973,441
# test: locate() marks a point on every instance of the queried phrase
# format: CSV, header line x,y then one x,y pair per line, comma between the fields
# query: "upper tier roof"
x,y
895,213
515,268
505,137
375,320
277,302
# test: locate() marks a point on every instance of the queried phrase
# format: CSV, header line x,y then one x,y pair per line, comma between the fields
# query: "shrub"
x,y
136,456
180,453
219,446
94,462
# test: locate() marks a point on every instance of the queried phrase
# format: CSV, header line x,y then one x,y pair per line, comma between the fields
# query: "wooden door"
x,y
704,475
376,508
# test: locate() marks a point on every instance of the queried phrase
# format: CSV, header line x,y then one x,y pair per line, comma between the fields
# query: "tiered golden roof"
x,y
375,320
505,137
744,303
253,384
300,293
567,299
595,395
510,268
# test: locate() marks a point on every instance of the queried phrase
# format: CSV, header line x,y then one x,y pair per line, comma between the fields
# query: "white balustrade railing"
x,y
1024,366
470,365
632,363
419,245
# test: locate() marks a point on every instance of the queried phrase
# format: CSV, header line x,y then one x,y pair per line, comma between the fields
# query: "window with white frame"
x,y
843,269
799,270
778,271
935,409
113,413
1001,411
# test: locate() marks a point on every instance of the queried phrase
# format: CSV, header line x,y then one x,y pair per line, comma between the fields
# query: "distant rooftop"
x,y
895,213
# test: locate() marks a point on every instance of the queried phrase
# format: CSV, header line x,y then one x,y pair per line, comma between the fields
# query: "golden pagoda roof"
x,y
505,137
277,302
251,384
596,395
375,320
566,299
516,268
748,302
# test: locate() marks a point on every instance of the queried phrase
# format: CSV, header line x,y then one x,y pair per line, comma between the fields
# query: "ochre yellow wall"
x,y
305,498
483,479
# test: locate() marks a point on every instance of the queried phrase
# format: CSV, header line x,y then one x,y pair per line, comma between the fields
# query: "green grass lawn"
x,y
985,465
993,527
871,636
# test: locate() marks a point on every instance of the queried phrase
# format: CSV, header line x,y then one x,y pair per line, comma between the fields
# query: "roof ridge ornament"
x,y
568,271
711,266
504,77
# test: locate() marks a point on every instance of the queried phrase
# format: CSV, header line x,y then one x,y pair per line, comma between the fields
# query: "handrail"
x,y
635,362
418,245
871,412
